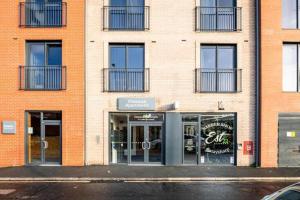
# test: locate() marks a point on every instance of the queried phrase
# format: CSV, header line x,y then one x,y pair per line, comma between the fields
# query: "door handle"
x,y
45,144
149,145
143,145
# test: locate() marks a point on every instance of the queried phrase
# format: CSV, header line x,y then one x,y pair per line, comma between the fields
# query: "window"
x,y
290,67
126,14
43,13
290,14
218,15
43,68
126,70
218,71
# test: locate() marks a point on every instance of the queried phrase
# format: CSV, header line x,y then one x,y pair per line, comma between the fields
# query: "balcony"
x,y
219,19
42,77
126,18
36,15
210,80
126,80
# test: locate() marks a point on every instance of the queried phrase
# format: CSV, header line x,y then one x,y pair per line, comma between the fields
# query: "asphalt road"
x,y
133,191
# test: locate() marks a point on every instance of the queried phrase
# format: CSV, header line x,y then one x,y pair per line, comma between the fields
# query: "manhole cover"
x,y
6,191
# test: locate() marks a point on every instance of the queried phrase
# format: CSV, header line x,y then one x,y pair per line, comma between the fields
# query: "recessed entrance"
x,y
144,133
43,138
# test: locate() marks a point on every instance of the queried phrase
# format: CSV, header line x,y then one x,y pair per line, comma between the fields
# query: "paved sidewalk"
x,y
151,173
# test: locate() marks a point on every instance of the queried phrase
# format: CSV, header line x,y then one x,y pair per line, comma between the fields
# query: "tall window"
x,y
290,82
126,14
43,68
218,68
218,15
126,70
290,14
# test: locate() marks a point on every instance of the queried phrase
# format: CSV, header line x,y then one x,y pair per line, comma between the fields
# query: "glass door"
x,y
137,143
146,144
191,143
51,142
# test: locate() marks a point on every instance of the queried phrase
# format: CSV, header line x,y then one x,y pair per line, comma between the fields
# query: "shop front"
x,y
151,138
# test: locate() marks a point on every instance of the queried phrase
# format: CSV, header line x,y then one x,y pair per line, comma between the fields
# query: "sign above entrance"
x,y
8,127
146,117
136,104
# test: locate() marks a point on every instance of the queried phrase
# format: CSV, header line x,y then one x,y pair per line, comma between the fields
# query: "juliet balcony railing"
x,y
218,80
42,77
127,18
126,80
34,15
218,19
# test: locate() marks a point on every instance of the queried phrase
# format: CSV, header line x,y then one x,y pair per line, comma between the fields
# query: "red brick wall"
x,y
14,102
273,99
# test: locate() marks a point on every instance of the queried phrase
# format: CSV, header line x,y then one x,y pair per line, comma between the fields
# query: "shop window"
x,y
217,139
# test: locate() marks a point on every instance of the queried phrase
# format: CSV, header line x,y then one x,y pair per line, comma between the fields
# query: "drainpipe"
x,y
85,84
257,83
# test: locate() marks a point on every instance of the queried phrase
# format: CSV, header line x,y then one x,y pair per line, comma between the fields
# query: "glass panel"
x,y
190,118
52,139
135,68
289,74
217,139
226,69
137,144
155,139
289,13
34,137
52,116
36,55
190,133
117,73
118,2
208,3
226,3
54,54
118,135
292,194
208,68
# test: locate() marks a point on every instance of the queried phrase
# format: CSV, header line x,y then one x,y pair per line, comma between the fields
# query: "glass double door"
x,y
45,145
145,144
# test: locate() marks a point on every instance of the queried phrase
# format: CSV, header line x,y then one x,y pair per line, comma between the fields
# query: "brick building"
x,y
170,83
42,83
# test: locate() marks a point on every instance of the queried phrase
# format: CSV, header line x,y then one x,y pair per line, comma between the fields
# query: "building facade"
x,y
280,109
170,83
42,83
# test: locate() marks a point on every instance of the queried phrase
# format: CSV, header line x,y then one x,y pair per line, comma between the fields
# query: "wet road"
x,y
132,191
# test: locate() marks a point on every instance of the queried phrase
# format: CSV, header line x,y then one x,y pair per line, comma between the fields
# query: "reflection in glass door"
x,y
51,143
137,144
154,143
146,144
191,144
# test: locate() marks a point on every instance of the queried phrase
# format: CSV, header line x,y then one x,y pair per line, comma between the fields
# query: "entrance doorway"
x,y
43,138
136,138
146,143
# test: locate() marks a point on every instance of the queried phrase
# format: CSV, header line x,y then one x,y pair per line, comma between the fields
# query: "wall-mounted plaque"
x,y
9,127
136,104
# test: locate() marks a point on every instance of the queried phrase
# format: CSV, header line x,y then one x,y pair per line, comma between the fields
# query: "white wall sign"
x,y
9,127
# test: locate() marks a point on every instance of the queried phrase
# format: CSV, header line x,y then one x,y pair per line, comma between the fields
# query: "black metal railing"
x,y
221,19
218,80
33,14
126,80
135,18
42,77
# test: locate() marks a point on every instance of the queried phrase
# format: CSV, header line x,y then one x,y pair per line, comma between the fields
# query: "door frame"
x,y
146,126
51,122
43,135
198,144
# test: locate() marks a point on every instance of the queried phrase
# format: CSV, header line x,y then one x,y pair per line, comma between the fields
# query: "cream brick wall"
x,y
172,52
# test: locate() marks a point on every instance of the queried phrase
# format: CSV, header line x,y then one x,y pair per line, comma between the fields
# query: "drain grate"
x,y
6,191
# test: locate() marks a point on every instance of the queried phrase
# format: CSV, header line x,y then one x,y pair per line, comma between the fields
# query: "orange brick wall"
x,y
14,102
273,99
